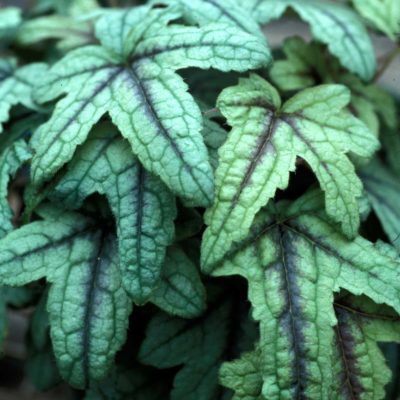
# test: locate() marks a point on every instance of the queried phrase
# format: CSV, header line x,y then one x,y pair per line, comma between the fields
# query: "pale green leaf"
x,y
331,23
89,313
243,376
261,151
88,307
382,14
294,259
16,85
383,191
180,291
228,11
10,19
131,76
143,207
360,368
71,33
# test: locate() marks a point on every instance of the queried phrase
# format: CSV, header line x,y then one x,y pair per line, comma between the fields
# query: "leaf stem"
x,y
389,58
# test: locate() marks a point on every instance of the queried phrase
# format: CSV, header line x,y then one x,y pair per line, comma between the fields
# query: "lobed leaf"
x,y
331,23
261,151
143,207
294,259
131,76
88,307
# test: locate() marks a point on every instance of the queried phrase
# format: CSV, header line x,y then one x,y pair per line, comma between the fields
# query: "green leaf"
x,y
181,291
383,191
88,307
172,342
391,144
12,158
384,15
10,18
71,33
143,207
243,376
227,11
261,151
136,383
41,364
360,368
308,64
333,24
16,85
294,259
131,76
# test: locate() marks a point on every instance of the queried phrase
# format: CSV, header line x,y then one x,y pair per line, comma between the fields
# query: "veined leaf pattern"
x,y
131,76
261,151
294,259
331,23
143,206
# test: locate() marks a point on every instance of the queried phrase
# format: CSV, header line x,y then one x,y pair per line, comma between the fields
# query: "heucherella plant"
x,y
187,214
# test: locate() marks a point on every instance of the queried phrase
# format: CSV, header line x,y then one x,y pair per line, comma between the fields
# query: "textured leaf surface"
x,y
131,76
244,377
294,262
360,368
88,307
226,11
16,85
143,207
10,161
261,151
333,24
180,291
383,191
382,14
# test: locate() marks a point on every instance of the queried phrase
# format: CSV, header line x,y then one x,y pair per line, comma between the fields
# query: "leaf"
x,y
181,291
10,18
173,342
243,376
144,209
308,64
88,307
382,14
333,24
131,76
16,85
383,191
261,151
71,33
12,158
294,259
361,369
136,383
227,11
41,364
391,144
